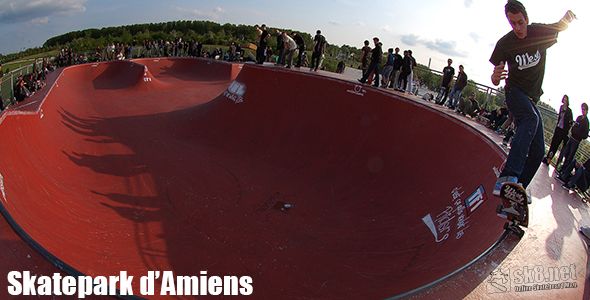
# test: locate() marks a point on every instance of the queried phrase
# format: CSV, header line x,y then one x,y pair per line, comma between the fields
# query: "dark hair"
x,y
366,42
376,39
584,105
318,32
460,66
514,6
566,97
410,52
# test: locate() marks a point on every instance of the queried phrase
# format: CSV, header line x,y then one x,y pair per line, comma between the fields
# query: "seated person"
x,y
469,106
579,179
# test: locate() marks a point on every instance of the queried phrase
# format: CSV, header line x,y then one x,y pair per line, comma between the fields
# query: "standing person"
x,y
376,55
460,84
524,49
388,68
319,46
300,46
579,133
448,73
405,72
262,44
365,51
290,47
397,65
413,64
564,123
280,49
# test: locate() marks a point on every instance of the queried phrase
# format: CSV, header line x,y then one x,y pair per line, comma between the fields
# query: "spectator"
x,y
460,84
564,123
289,48
448,73
579,179
397,65
280,49
413,64
340,68
388,68
300,47
319,46
376,55
406,70
469,107
579,133
365,51
262,44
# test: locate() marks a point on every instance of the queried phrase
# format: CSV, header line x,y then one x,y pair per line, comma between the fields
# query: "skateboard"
x,y
514,208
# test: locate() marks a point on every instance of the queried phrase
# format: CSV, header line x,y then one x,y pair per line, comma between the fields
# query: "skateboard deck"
x,y
514,207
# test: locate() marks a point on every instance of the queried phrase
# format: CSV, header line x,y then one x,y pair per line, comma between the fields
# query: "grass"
x,y
23,61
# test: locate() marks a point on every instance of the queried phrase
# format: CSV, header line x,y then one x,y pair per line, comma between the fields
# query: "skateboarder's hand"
x,y
499,73
569,17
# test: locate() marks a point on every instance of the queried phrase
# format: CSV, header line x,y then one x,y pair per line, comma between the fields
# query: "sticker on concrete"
x,y
358,90
452,220
235,92
2,188
146,78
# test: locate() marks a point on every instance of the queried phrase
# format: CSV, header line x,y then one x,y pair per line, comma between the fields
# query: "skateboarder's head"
x,y
450,61
396,50
517,17
376,41
461,68
565,100
584,109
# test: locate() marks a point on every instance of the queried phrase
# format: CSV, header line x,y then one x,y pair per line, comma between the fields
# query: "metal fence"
x,y
549,116
9,79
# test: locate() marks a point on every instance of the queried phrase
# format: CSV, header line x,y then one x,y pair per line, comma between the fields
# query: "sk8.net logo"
x,y
498,282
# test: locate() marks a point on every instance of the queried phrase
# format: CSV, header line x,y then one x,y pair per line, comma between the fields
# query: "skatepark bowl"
x,y
313,186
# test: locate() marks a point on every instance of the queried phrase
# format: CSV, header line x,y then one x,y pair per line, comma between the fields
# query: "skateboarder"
x,y
524,49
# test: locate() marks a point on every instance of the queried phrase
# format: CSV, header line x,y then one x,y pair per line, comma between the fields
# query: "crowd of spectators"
x,y
27,84
163,48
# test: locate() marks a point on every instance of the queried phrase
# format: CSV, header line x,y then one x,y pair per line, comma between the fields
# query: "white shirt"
x,y
290,43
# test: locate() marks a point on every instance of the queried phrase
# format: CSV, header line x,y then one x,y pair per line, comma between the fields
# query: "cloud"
x,y
410,39
213,14
468,3
441,46
474,36
335,23
40,21
37,11
360,23
387,28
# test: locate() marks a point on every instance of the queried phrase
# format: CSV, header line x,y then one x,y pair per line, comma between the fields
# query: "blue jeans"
x,y
454,97
568,152
528,145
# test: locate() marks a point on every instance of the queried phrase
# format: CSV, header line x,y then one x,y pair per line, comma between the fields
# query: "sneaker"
x,y
560,179
501,181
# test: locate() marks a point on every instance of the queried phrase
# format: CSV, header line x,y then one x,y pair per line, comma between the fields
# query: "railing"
x,y
549,117
8,80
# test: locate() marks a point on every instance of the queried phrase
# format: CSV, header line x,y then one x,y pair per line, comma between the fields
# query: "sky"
x,y
464,30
